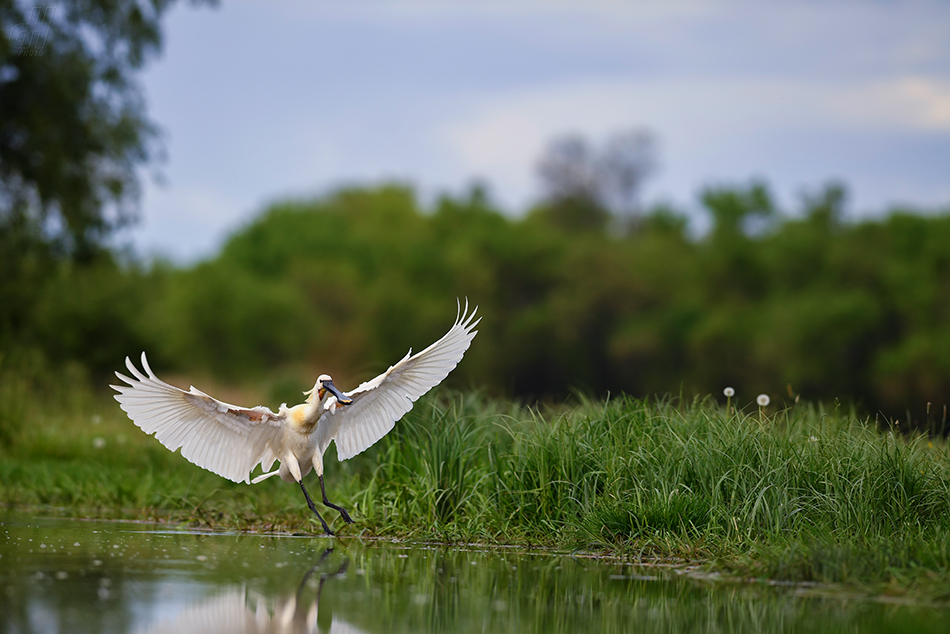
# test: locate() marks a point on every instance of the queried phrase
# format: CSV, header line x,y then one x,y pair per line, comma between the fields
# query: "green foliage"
x,y
441,482
73,128
30,387
73,135
807,305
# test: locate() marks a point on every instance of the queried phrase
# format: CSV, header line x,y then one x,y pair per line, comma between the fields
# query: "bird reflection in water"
x,y
239,610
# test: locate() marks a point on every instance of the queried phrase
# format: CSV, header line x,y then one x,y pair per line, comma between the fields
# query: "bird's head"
x,y
323,385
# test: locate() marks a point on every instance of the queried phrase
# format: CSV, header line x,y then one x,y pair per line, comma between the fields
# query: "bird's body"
x,y
299,443
231,441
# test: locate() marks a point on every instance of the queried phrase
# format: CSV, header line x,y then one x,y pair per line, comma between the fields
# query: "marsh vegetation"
x,y
798,494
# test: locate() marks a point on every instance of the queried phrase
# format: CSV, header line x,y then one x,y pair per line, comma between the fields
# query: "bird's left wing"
x,y
377,404
225,439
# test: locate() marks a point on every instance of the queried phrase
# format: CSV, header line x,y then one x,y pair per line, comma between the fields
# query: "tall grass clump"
x,y
434,471
804,493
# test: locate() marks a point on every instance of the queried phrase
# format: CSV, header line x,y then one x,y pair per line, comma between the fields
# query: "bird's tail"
x,y
264,476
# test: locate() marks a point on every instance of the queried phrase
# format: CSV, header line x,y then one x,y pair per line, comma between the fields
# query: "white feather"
x,y
226,439
379,403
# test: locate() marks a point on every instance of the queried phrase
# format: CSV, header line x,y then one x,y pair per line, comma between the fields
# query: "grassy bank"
x,y
801,494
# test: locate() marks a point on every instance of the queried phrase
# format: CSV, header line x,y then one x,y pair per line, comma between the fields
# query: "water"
x,y
79,576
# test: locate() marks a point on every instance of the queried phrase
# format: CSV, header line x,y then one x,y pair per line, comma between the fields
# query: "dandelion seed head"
x,y
762,400
729,392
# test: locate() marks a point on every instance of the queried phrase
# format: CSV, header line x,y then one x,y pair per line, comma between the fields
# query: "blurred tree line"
x,y
803,304
73,133
587,291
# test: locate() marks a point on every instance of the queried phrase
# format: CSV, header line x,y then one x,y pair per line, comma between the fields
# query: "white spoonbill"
x,y
231,441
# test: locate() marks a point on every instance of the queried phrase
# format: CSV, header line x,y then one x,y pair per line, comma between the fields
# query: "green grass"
x,y
801,494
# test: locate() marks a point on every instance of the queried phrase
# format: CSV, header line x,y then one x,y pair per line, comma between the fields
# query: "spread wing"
x,y
379,403
225,439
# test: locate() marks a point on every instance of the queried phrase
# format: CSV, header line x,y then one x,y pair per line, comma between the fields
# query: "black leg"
x,y
326,502
314,508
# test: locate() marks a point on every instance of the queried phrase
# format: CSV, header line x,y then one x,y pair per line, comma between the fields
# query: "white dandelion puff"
x,y
729,392
762,400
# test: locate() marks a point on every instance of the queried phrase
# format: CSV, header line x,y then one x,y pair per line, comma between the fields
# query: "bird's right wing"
x,y
379,403
225,439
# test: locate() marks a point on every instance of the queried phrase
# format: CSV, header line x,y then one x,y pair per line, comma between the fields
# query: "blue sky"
x,y
265,100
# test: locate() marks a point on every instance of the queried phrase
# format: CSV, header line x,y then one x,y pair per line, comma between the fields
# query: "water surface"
x,y
81,576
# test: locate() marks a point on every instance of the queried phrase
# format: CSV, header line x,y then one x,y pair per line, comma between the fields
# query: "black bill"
x,y
341,398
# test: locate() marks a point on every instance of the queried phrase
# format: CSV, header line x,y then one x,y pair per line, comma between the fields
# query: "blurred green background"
x,y
809,306
588,290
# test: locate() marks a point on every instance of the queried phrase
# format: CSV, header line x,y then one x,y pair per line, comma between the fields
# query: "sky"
x,y
260,101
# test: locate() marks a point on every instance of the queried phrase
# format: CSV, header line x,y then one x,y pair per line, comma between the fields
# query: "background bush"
x,y
804,303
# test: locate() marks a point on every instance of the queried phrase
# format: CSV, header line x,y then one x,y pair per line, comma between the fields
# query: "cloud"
x,y
504,133
907,102
704,124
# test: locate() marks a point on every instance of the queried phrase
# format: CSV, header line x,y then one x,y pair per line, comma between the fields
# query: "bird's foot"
x,y
326,528
342,511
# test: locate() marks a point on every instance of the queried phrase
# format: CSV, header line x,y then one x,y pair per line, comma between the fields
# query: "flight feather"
x,y
379,403
226,439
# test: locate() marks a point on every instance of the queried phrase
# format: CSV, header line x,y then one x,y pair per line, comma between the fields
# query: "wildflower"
x,y
762,400
99,442
729,392
813,438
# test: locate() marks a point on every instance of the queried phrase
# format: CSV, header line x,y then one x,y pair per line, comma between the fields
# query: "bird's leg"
x,y
326,502
313,508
